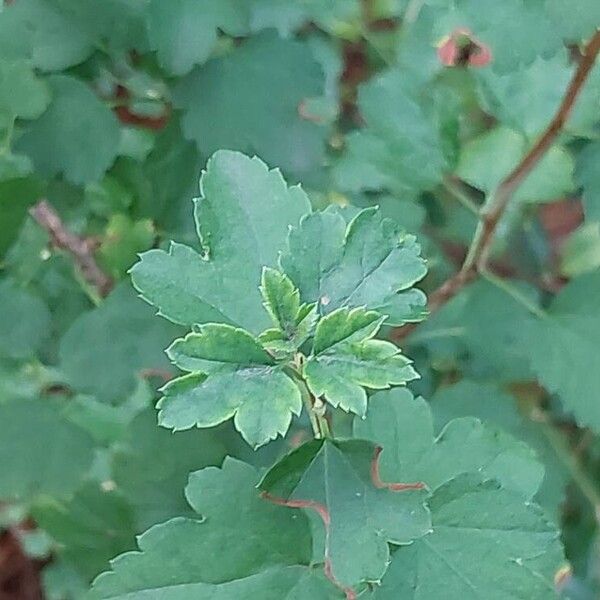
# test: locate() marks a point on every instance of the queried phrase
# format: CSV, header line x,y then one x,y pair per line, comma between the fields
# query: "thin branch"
x,y
45,215
455,189
492,212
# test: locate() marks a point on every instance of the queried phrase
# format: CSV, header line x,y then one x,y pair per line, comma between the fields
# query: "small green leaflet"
x,y
403,426
361,514
485,543
346,359
294,323
242,218
368,262
232,375
244,548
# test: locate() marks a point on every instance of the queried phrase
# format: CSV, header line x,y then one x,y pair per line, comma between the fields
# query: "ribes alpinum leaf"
x,y
485,543
242,218
562,345
245,547
368,262
361,514
42,452
232,375
346,359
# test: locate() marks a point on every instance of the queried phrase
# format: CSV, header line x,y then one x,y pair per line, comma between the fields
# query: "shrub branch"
x,y
492,211
79,248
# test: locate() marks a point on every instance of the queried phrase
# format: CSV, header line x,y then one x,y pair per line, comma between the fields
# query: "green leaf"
x,y
90,528
254,538
16,196
235,377
346,359
37,30
403,427
84,133
294,323
368,262
243,217
41,451
575,22
485,543
580,253
495,407
264,114
361,514
24,321
151,466
273,583
121,338
22,93
488,158
335,16
560,347
508,96
493,346
184,32
587,176
400,149
124,239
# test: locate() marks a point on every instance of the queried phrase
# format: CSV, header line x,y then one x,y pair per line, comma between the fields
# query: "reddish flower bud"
x,y
462,48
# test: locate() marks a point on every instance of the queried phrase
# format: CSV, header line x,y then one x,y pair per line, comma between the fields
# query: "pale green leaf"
x,y
243,217
150,467
580,253
562,347
24,321
346,360
488,158
234,377
22,93
368,262
38,30
90,528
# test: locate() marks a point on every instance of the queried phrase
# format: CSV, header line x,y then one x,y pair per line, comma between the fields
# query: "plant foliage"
x,y
300,299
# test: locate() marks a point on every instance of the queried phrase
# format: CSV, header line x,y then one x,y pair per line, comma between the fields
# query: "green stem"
x,y
514,293
308,405
459,194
